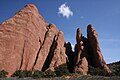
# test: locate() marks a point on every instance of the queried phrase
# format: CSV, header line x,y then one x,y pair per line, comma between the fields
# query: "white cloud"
x,y
65,10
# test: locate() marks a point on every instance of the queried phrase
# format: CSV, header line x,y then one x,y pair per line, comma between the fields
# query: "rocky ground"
x,y
69,78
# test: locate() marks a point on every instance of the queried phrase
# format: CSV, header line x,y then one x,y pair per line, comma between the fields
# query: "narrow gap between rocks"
x,y
50,54
40,48
22,55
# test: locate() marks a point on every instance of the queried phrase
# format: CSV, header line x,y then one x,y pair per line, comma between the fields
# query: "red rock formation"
x,y
81,64
97,54
59,56
82,67
87,51
79,46
71,56
25,41
45,48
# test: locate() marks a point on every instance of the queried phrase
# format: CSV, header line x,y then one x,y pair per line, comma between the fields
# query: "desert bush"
x,y
97,71
117,71
22,73
50,73
115,68
38,74
62,70
3,73
46,74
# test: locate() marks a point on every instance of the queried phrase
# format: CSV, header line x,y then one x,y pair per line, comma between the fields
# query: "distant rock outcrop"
x,y
27,42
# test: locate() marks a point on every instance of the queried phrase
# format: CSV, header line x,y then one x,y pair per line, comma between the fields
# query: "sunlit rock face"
x,y
27,42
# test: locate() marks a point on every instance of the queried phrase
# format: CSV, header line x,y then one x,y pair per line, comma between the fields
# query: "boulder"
x,y
82,67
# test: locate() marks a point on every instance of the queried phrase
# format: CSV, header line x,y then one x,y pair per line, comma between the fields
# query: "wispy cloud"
x,y
110,40
110,60
65,10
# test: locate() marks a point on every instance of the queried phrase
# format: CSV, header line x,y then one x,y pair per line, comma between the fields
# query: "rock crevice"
x,y
40,48
22,56
50,55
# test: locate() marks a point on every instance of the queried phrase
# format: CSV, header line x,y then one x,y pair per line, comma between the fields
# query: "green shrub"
x,y
97,71
46,74
50,73
22,73
62,70
117,71
59,71
38,74
3,73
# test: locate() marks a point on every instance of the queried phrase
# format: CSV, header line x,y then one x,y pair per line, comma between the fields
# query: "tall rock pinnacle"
x,y
87,52
98,60
80,63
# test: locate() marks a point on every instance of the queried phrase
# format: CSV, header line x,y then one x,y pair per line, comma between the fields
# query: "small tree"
x,y
3,73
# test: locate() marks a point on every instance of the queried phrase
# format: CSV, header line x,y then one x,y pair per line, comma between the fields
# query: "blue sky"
x,y
103,14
